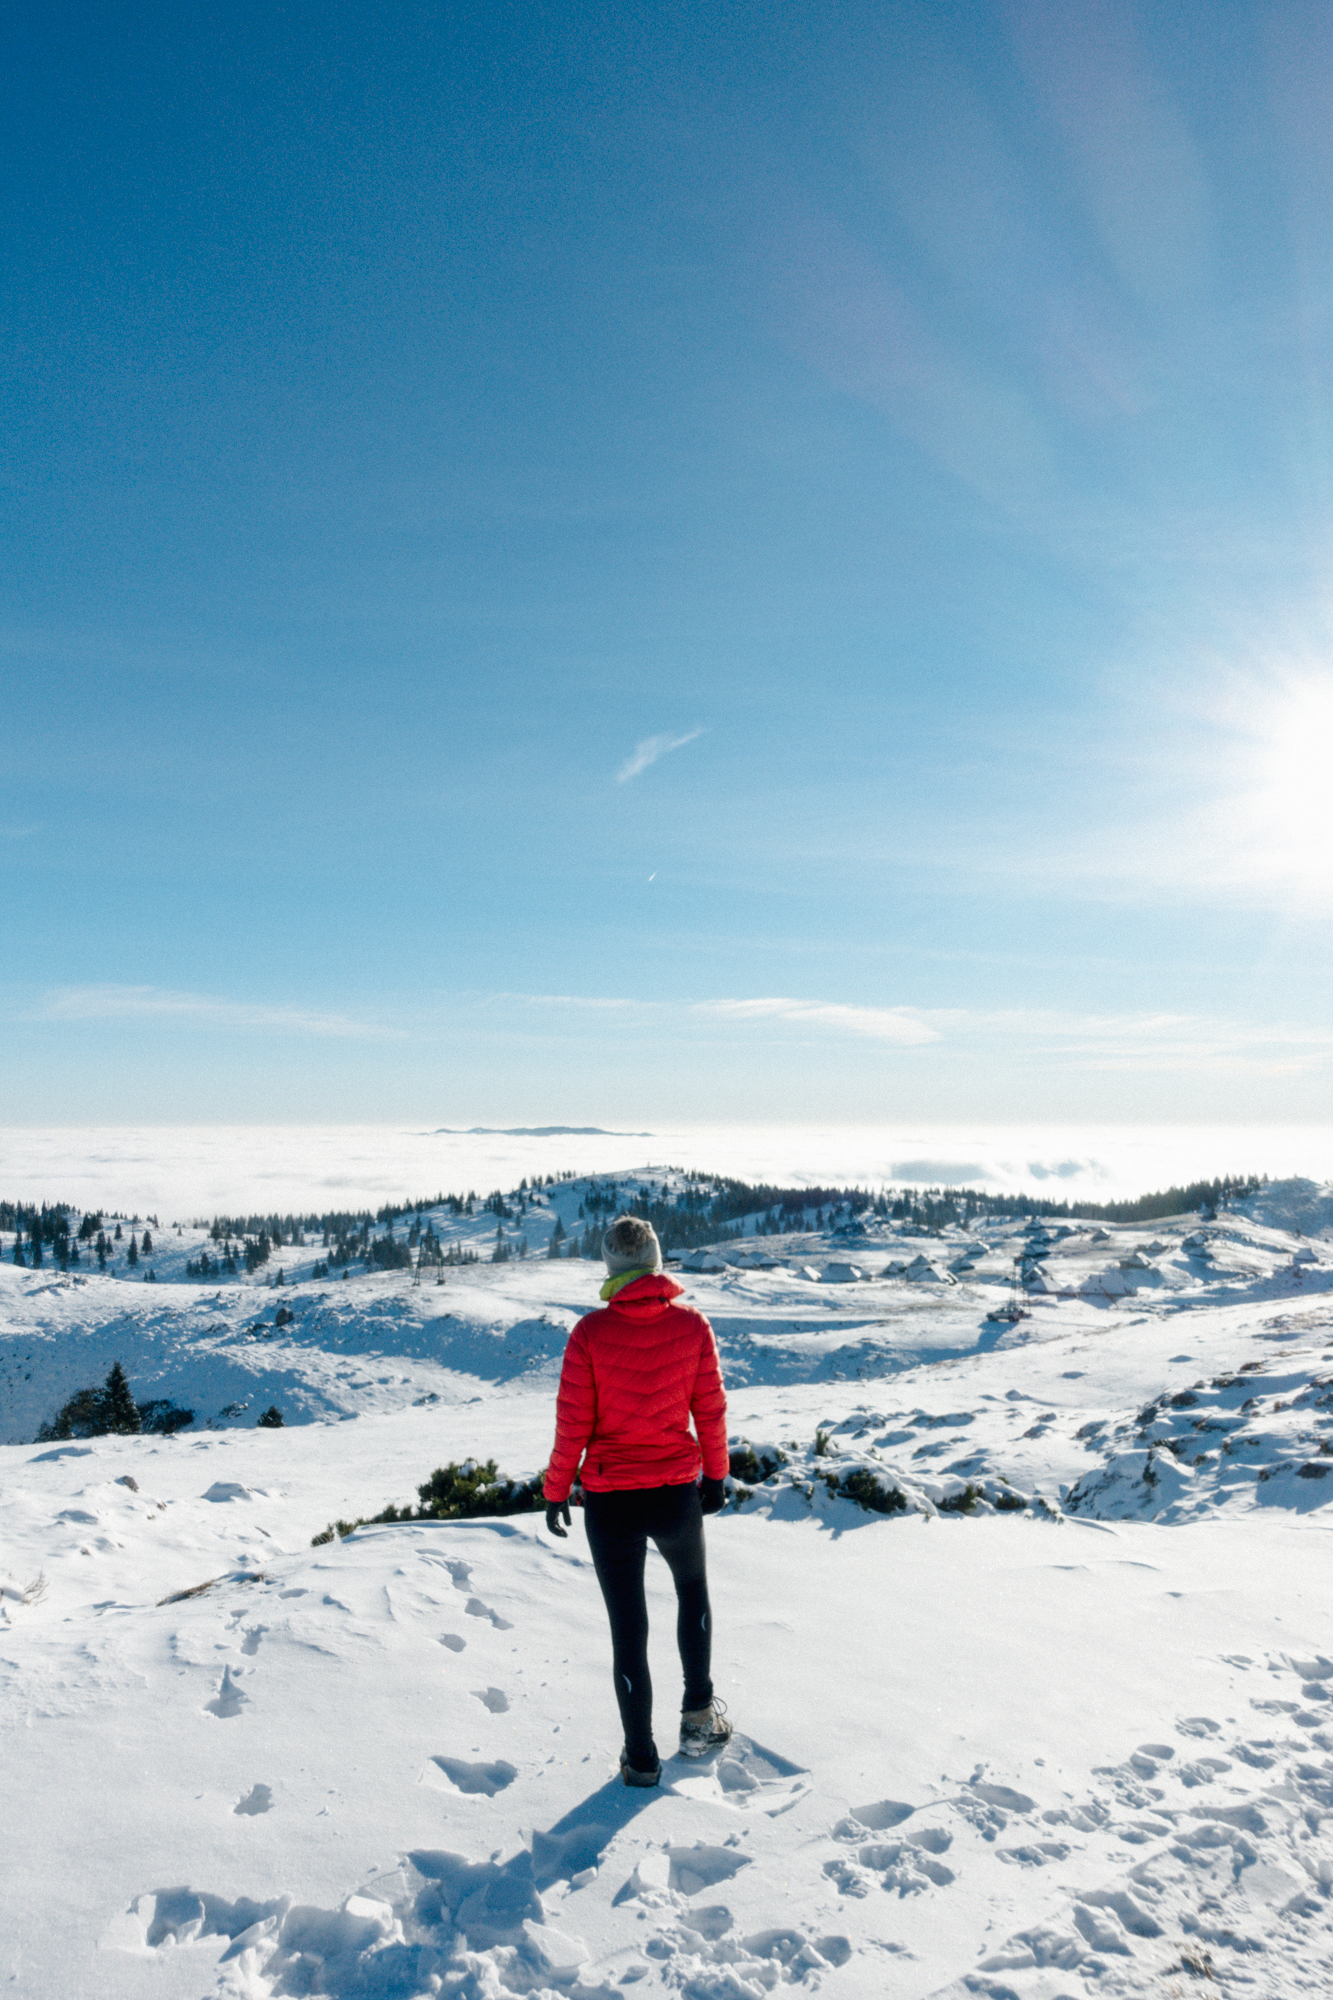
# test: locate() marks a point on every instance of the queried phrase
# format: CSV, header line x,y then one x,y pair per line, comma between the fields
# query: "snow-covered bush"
x,y
876,1491
754,1463
465,1492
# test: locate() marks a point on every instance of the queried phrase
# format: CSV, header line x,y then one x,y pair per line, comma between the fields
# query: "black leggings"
x,y
619,1526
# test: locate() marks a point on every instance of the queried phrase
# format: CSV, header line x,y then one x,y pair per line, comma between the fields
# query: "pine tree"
x,y
118,1237
132,1256
122,1412
147,1244
557,1238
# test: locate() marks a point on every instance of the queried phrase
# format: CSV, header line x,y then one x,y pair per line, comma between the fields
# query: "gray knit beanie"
x,y
631,1244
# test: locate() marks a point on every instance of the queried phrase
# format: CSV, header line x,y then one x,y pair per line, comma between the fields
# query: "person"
x,y
634,1376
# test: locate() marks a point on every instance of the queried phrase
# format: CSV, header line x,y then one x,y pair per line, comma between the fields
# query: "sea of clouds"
x,y
179,1172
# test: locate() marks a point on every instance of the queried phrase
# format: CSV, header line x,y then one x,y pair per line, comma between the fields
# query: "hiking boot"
x,y
704,1729
632,1774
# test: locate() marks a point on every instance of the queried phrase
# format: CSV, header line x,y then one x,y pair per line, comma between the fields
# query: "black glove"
x,y
556,1511
712,1493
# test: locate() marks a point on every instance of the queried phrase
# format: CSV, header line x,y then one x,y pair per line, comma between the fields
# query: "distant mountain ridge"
x,y
534,1132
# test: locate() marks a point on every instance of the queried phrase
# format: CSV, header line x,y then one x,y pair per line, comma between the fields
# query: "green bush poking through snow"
x,y
112,1410
868,1489
466,1492
755,1465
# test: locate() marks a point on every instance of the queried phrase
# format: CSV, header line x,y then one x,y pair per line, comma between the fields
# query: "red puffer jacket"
x,y
634,1375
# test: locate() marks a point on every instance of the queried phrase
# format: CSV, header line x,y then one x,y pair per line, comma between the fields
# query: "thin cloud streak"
x,y
649,750
141,1003
881,1024
1098,1042
1171,1043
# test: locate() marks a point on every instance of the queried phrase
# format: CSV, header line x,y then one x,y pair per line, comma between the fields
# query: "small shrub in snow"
x,y
160,1417
84,1415
465,1492
868,1491
95,1412
754,1464
271,1419
964,1502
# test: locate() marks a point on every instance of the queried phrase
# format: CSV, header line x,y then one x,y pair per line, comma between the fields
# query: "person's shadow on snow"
x,y
489,1900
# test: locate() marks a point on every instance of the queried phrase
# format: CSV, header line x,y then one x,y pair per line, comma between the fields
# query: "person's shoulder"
x,y
690,1316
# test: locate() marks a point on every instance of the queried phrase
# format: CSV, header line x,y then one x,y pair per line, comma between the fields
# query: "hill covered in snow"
x,y
1018,1591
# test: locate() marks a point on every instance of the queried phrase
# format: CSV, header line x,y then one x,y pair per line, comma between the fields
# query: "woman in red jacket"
x,y
633,1377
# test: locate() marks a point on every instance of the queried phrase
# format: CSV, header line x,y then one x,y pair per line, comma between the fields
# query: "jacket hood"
x,y
651,1291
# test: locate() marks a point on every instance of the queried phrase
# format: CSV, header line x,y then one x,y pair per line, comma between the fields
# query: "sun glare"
x,y
1288,814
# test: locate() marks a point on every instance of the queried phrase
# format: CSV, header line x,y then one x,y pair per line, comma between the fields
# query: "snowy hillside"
x,y
1022,1620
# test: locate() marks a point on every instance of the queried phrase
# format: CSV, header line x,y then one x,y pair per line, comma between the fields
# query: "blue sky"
x,y
620,564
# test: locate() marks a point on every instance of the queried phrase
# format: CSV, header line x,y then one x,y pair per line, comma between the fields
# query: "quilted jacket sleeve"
x,y
708,1407
575,1415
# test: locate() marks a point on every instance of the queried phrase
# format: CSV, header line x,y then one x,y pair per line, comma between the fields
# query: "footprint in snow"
x,y
458,1570
701,1955
1004,1797
258,1800
1233,1875
229,1699
493,1698
1202,1770
484,1778
454,1641
905,1865
744,1776
988,1807
685,1871
877,1817
474,1608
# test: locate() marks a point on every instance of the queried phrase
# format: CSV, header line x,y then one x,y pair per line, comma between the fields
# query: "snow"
x,y
1293,1204
1023,1627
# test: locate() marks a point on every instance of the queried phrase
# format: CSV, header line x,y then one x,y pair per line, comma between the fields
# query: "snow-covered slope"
x,y
1057,1722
